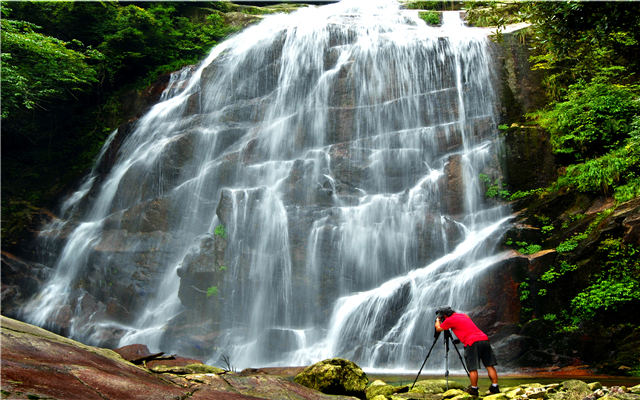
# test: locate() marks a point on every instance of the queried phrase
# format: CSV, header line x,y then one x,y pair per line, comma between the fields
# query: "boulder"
x,y
497,396
434,386
136,353
595,386
334,376
379,388
453,393
572,390
38,364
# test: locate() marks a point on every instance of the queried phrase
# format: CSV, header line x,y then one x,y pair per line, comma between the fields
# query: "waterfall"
x,y
310,190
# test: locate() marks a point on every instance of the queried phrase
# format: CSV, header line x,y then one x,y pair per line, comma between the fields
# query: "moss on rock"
x,y
334,376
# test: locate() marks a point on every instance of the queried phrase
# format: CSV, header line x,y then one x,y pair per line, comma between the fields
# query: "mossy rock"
x,y
164,369
204,369
497,396
572,390
593,386
512,394
335,376
435,386
452,393
379,388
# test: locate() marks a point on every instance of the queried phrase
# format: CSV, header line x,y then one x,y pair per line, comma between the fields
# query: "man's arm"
x,y
438,325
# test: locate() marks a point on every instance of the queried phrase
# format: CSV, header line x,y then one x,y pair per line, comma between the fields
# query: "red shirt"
x,y
463,328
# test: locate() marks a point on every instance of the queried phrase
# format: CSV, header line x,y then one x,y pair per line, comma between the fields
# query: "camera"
x,y
443,313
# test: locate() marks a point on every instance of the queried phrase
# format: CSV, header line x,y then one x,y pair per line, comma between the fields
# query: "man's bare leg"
x,y
473,376
493,375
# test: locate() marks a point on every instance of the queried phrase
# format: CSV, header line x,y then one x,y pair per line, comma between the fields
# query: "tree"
x,y
38,69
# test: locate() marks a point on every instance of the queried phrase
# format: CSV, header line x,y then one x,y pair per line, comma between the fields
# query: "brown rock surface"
x,y
136,353
39,364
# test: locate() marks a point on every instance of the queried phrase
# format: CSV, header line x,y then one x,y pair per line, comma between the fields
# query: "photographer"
x,y
476,346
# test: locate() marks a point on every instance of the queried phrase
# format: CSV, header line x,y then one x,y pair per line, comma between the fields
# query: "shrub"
x,y
220,231
430,17
595,118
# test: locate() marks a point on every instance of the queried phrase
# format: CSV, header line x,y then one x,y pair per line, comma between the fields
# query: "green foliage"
x,y
212,291
492,13
571,243
429,5
605,294
575,40
223,268
220,231
551,275
526,248
520,194
546,230
542,292
595,118
65,68
430,17
38,69
493,190
503,127
617,284
523,288
550,317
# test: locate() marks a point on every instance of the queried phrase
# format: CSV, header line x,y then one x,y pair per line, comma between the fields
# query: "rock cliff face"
x,y
236,222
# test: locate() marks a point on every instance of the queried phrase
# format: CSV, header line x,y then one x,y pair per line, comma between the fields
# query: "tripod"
x,y
447,338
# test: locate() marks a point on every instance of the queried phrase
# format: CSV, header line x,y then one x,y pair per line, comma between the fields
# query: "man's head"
x,y
444,312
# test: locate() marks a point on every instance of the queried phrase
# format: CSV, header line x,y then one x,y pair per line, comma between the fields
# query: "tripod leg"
x,y
446,356
461,360
425,361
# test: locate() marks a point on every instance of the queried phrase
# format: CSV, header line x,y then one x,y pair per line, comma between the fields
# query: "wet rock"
x,y
379,388
202,268
20,279
334,376
40,364
136,353
173,361
454,393
435,386
529,158
271,387
572,390
512,348
453,200
499,396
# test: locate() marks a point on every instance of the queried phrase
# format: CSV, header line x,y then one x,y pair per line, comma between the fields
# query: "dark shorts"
x,y
479,351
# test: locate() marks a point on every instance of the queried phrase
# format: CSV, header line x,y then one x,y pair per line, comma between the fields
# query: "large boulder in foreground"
x,y
335,376
39,364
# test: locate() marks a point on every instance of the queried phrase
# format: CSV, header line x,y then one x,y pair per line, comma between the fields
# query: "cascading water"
x,y
310,191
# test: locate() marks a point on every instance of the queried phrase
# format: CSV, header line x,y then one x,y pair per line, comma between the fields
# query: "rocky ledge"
x,y
38,364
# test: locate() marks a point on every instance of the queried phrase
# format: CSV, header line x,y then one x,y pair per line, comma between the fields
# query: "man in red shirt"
x,y
476,346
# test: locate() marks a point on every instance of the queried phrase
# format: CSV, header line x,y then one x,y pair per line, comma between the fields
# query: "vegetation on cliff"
x,y
67,69
588,215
